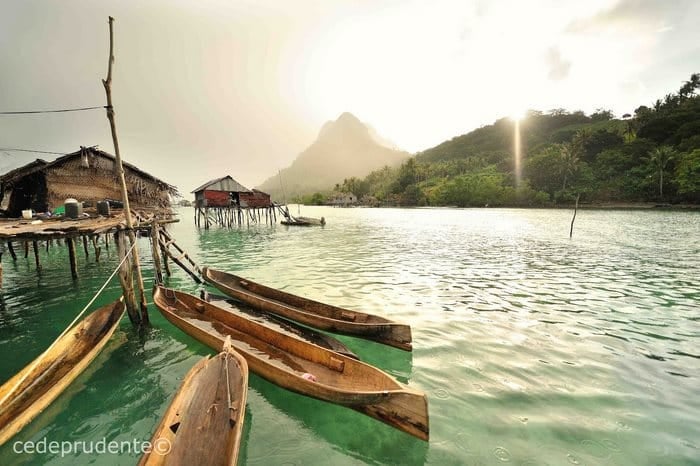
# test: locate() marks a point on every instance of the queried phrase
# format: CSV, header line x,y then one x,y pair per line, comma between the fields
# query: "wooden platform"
x,y
58,227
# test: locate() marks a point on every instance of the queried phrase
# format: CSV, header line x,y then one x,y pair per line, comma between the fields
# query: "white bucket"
x,y
27,214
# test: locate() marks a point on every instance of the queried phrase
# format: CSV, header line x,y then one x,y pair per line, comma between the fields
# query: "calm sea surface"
x,y
532,348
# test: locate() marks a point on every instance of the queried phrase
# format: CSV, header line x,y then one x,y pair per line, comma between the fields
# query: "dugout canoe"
x,y
309,312
303,221
277,323
204,423
299,366
30,391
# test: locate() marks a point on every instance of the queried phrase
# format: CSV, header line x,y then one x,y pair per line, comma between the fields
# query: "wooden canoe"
x,y
300,366
204,423
303,221
277,323
40,384
309,312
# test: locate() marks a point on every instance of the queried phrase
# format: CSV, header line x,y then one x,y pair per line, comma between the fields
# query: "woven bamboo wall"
x,y
98,181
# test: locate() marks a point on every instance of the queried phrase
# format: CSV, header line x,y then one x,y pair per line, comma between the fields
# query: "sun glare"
x,y
517,114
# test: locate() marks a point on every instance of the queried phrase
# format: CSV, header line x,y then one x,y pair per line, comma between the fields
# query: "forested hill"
x,y
650,155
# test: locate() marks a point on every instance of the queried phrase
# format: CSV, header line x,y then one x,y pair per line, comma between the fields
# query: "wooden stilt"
x,y
155,235
97,249
12,251
126,279
166,266
35,247
26,249
85,247
47,246
71,255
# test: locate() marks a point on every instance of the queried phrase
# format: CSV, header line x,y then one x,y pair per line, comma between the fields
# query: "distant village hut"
x,y
226,202
220,192
342,199
88,175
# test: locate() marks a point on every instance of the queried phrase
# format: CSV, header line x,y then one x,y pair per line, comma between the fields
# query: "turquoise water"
x,y
532,348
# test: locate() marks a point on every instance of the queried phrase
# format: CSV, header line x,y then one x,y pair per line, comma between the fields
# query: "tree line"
x,y
652,155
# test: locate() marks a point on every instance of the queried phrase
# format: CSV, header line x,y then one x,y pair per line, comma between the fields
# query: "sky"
x,y
203,89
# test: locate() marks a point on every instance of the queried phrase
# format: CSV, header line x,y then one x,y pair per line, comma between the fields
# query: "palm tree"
x,y
570,156
659,158
688,88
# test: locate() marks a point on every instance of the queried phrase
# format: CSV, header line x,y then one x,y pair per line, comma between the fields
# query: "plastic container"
x,y
74,209
27,214
103,208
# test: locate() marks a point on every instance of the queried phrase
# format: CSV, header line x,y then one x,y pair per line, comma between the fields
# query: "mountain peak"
x,y
345,147
347,117
346,124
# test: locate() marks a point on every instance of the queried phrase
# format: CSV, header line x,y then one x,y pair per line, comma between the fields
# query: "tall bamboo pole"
x,y
120,171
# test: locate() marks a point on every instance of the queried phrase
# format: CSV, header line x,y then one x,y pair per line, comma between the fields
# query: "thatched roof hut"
x,y
88,175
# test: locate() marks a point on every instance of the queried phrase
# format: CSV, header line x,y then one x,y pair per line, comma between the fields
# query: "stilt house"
x,y
221,192
88,175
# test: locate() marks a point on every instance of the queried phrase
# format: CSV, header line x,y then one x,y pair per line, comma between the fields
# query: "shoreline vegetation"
x,y
646,159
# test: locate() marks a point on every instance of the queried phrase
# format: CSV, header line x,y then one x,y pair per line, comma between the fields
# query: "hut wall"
x,y
255,199
217,198
93,178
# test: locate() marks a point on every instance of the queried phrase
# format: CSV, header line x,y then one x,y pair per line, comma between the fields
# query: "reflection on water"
x,y
532,348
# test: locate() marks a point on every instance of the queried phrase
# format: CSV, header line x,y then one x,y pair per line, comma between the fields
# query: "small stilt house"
x,y
227,192
88,175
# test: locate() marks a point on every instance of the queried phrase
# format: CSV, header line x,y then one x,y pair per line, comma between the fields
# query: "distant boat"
x,y
31,390
204,423
309,312
299,366
303,221
279,324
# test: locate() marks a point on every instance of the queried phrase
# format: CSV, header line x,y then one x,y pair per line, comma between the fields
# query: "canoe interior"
x,y
198,426
281,325
42,383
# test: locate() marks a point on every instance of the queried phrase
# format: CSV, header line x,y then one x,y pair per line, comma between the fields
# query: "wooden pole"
x,y
26,249
155,250
166,266
126,279
120,172
571,231
71,255
98,249
12,251
85,247
35,246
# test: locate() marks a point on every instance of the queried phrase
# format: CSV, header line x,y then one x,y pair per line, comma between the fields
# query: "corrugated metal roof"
x,y
225,183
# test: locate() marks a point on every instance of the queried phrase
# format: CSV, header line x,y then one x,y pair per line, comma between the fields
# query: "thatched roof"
x,y
42,165
24,170
225,183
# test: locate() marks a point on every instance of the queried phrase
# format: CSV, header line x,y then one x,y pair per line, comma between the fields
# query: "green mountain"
x,y
344,148
652,155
